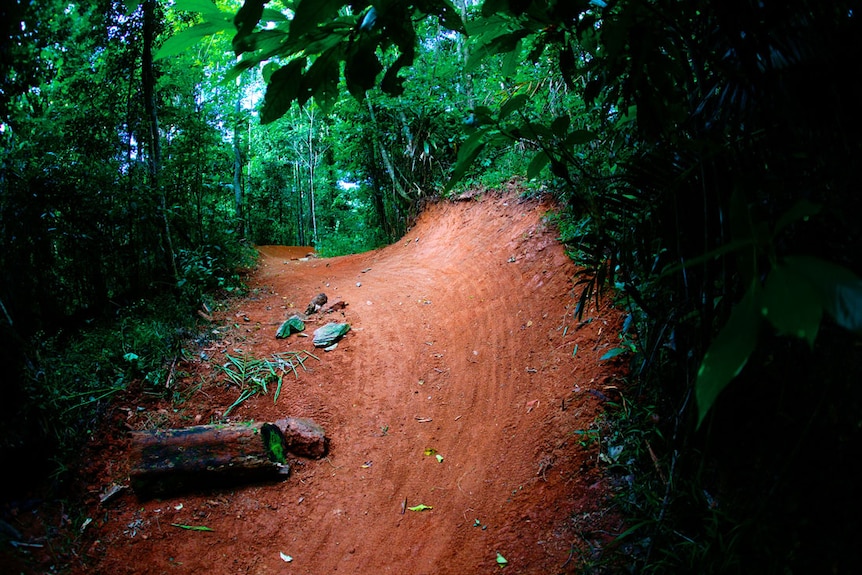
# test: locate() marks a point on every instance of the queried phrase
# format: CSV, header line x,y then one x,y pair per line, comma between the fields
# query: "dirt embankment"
x,y
463,342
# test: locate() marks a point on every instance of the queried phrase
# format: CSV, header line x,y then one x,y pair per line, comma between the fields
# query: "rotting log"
x,y
172,461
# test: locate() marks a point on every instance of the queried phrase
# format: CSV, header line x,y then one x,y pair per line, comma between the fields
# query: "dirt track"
x,y
462,342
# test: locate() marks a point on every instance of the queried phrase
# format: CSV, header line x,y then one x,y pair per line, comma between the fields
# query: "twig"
x,y
170,373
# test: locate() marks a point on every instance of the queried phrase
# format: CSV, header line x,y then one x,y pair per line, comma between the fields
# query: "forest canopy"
x,y
702,154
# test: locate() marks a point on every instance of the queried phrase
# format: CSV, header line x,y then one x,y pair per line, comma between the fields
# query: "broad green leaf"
x,y
579,137
324,41
290,326
539,161
420,507
131,6
267,42
717,252
449,16
270,15
729,352
490,7
199,6
613,353
466,155
309,13
268,70
273,442
839,289
501,561
321,81
801,210
239,68
248,15
560,125
511,61
512,104
791,304
179,43
361,70
506,42
281,91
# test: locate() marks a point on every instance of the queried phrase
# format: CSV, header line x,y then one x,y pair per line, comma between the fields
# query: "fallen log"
x,y
171,461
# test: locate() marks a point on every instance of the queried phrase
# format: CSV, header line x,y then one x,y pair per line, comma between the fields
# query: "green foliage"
x,y
699,150
74,377
253,376
324,35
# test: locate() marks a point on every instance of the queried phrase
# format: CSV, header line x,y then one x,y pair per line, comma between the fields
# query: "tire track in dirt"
x,y
462,342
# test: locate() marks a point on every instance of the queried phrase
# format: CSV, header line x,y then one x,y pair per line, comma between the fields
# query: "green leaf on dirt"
x,y
501,561
292,325
613,353
330,333
191,527
273,442
430,451
439,458
420,507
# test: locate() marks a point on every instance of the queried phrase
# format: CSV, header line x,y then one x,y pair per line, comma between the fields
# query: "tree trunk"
x,y
384,155
206,456
237,166
463,6
311,163
148,78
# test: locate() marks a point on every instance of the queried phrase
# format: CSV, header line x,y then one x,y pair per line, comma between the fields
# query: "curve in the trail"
x,y
463,342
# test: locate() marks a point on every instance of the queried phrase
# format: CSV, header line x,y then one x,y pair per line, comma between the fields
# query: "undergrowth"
x,y
70,378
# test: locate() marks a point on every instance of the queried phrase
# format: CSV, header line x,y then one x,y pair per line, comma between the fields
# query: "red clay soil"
x,y
462,339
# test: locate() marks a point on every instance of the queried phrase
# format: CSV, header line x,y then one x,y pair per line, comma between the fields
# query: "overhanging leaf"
x,y
199,6
361,70
839,289
791,304
247,17
281,91
801,210
179,43
309,13
449,16
466,155
729,352
539,161
515,102
579,137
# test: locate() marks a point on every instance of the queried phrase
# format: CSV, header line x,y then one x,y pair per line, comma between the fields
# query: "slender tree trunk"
x,y
465,55
237,165
384,155
300,204
155,155
311,162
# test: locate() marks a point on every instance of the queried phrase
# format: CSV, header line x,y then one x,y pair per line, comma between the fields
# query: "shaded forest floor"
x,y
463,341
